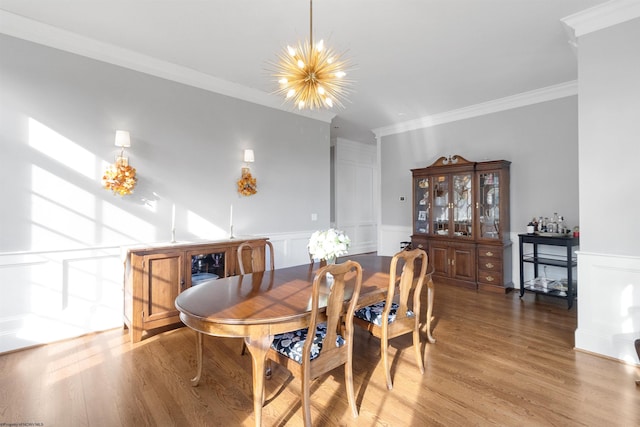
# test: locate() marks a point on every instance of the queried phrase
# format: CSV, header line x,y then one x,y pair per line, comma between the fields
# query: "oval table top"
x,y
272,296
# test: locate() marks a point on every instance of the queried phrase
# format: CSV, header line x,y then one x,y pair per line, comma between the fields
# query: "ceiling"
x,y
411,58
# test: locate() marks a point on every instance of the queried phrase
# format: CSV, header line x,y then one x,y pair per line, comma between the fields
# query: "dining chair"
x,y
252,256
396,316
308,356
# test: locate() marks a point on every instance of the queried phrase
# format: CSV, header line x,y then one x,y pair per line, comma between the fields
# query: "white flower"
x,y
328,244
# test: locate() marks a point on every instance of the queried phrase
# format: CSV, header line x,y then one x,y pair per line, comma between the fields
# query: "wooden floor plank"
x,y
498,360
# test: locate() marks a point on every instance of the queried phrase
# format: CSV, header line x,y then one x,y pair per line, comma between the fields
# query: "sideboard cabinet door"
x,y
162,282
155,276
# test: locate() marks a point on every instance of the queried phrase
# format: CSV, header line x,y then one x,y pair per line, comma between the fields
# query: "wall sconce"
x,y
247,184
119,177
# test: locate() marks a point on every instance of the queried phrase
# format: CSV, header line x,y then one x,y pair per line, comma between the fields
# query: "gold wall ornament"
x,y
247,185
120,178
312,76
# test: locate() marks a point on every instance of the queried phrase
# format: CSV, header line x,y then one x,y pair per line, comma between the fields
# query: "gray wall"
x,y
61,232
609,66
58,120
540,140
609,257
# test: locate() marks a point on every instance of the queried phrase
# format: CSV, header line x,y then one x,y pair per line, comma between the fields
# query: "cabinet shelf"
x,y
543,285
563,288
549,259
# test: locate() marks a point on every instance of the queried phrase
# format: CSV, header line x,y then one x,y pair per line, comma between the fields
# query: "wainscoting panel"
x,y
390,237
363,237
49,296
608,305
290,248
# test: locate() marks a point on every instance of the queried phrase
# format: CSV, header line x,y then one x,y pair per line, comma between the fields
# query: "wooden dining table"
x,y
258,306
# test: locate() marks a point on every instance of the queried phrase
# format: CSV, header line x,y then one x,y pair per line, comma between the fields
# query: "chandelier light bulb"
x,y
340,74
291,50
320,45
291,93
320,90
329,102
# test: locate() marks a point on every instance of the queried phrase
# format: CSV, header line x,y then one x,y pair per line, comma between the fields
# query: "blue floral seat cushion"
x,y
290,344
373,313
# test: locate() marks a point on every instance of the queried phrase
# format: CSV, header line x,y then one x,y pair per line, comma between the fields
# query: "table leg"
x,y
195,380
258,347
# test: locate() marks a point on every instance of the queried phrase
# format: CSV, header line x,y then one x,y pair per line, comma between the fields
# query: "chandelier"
x,y
312,76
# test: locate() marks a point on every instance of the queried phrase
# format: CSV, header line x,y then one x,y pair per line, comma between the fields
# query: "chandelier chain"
x,y
311,23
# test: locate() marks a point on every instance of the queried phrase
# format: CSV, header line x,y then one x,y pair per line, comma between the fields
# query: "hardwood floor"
x,y
497,361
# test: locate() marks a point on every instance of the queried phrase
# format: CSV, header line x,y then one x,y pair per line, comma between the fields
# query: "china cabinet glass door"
x,y
422,205
441,194
462,205
489,205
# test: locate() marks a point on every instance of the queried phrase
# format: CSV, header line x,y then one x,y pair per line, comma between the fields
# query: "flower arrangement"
x,y
120,178
328,244
247,184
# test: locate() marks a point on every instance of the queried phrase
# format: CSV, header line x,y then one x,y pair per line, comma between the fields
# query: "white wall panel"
x,y
356,194
609,286
49,296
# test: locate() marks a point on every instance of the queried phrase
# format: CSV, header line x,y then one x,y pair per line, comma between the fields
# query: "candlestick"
x,y
231,236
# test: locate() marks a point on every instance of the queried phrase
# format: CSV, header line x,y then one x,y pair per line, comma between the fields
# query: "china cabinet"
x,y
155,275
461,217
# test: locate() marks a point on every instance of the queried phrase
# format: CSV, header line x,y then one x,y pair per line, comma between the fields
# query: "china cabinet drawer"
x,y
490,252
418,243
490,277
489,264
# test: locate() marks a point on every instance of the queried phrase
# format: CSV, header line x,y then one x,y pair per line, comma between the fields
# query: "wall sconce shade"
x,y
122,139
248,156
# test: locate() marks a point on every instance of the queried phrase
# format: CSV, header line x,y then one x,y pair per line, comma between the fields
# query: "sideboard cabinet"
x,y
461,218
155,275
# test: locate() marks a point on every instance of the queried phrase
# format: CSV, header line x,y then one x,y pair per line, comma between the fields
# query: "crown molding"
x,y
548,93
602,16
47,35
